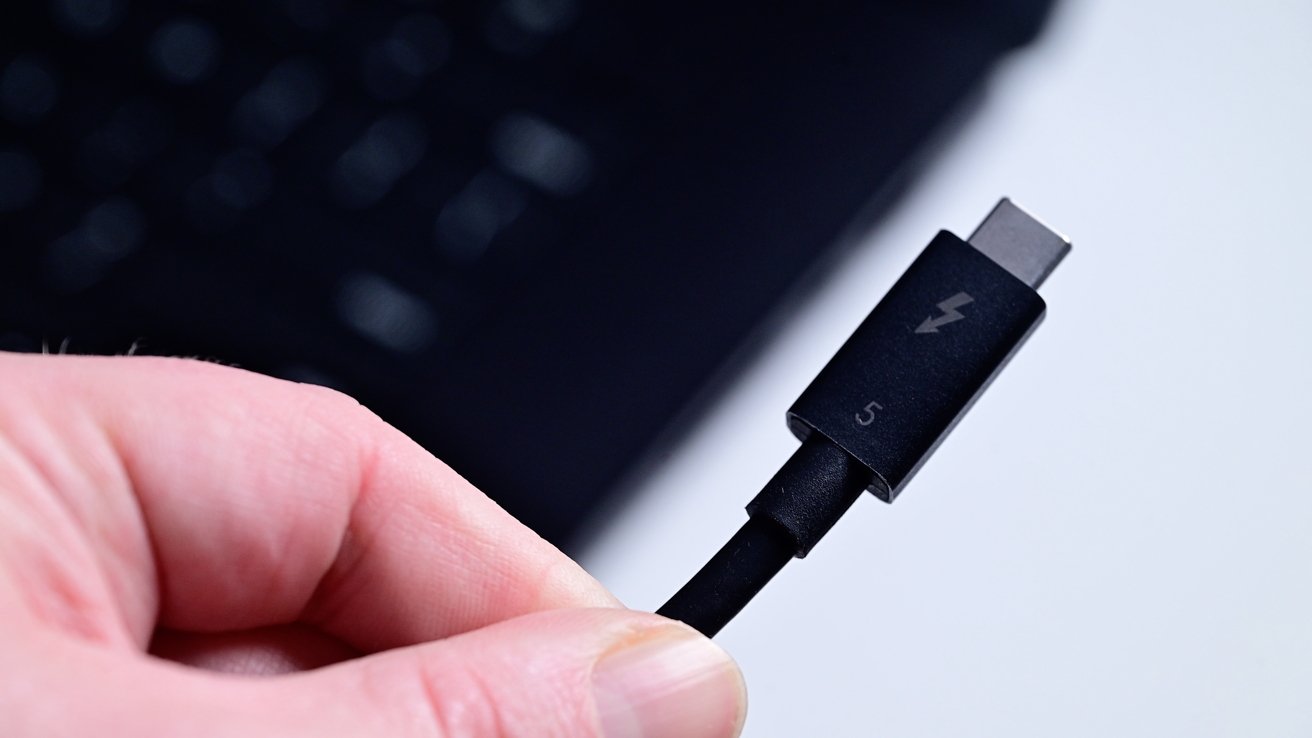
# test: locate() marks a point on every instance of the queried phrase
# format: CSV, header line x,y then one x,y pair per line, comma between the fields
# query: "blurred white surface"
x,y
1118,540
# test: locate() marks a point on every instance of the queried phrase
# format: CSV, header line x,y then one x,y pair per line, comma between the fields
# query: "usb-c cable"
x,y
887,398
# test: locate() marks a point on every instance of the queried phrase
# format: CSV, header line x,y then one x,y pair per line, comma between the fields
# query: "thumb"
x,y
606,673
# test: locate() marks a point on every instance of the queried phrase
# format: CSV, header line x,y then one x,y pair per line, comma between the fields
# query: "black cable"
x,y
795,509
886,399
732,577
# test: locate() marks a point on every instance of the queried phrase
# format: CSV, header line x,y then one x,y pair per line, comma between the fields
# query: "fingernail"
x,y
671,684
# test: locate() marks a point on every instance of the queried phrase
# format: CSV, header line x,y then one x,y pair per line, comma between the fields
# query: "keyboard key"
x,y
28,90
184,51
88,18
469,222
239,181
287,96
369,169
541,16
378,309
394,67
522,27
542,154
108,233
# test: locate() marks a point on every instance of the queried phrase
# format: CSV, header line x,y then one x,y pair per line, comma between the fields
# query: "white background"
x,y
1118,540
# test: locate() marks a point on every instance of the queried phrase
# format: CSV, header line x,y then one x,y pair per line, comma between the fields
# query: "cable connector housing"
x,y
936,340
887,398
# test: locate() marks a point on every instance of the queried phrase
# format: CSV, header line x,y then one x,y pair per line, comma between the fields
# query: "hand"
x,y
194,550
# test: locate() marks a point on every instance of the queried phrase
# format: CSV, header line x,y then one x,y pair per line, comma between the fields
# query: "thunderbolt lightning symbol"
x,y
950,314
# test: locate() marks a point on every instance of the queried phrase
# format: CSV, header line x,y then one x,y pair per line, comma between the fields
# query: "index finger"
x,y
258,501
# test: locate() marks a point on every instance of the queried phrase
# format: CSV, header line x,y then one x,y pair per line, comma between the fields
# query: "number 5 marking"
x,y
864,419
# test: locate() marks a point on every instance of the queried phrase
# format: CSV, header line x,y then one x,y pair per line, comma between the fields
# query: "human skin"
x,y
192,549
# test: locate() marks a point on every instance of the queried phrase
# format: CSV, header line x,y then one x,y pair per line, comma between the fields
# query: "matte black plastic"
x,y
732,577
873,415
916,364
811,491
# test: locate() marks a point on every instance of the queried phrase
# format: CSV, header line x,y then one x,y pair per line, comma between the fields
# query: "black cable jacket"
x,y
803,500
811,491
732,577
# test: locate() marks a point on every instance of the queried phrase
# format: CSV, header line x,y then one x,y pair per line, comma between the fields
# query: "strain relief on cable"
x,y
811,492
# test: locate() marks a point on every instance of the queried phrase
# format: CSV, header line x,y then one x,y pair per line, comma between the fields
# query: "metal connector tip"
x,y
1020,243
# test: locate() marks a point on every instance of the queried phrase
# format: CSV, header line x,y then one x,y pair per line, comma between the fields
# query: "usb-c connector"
x,y
881,406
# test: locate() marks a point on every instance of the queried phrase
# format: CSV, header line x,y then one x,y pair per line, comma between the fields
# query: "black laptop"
x,y
527,232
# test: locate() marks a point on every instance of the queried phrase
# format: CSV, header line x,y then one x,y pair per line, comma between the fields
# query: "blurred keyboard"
x,y
525,231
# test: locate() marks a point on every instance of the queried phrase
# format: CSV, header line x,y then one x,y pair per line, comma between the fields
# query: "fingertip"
x,y
603,672
669,682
